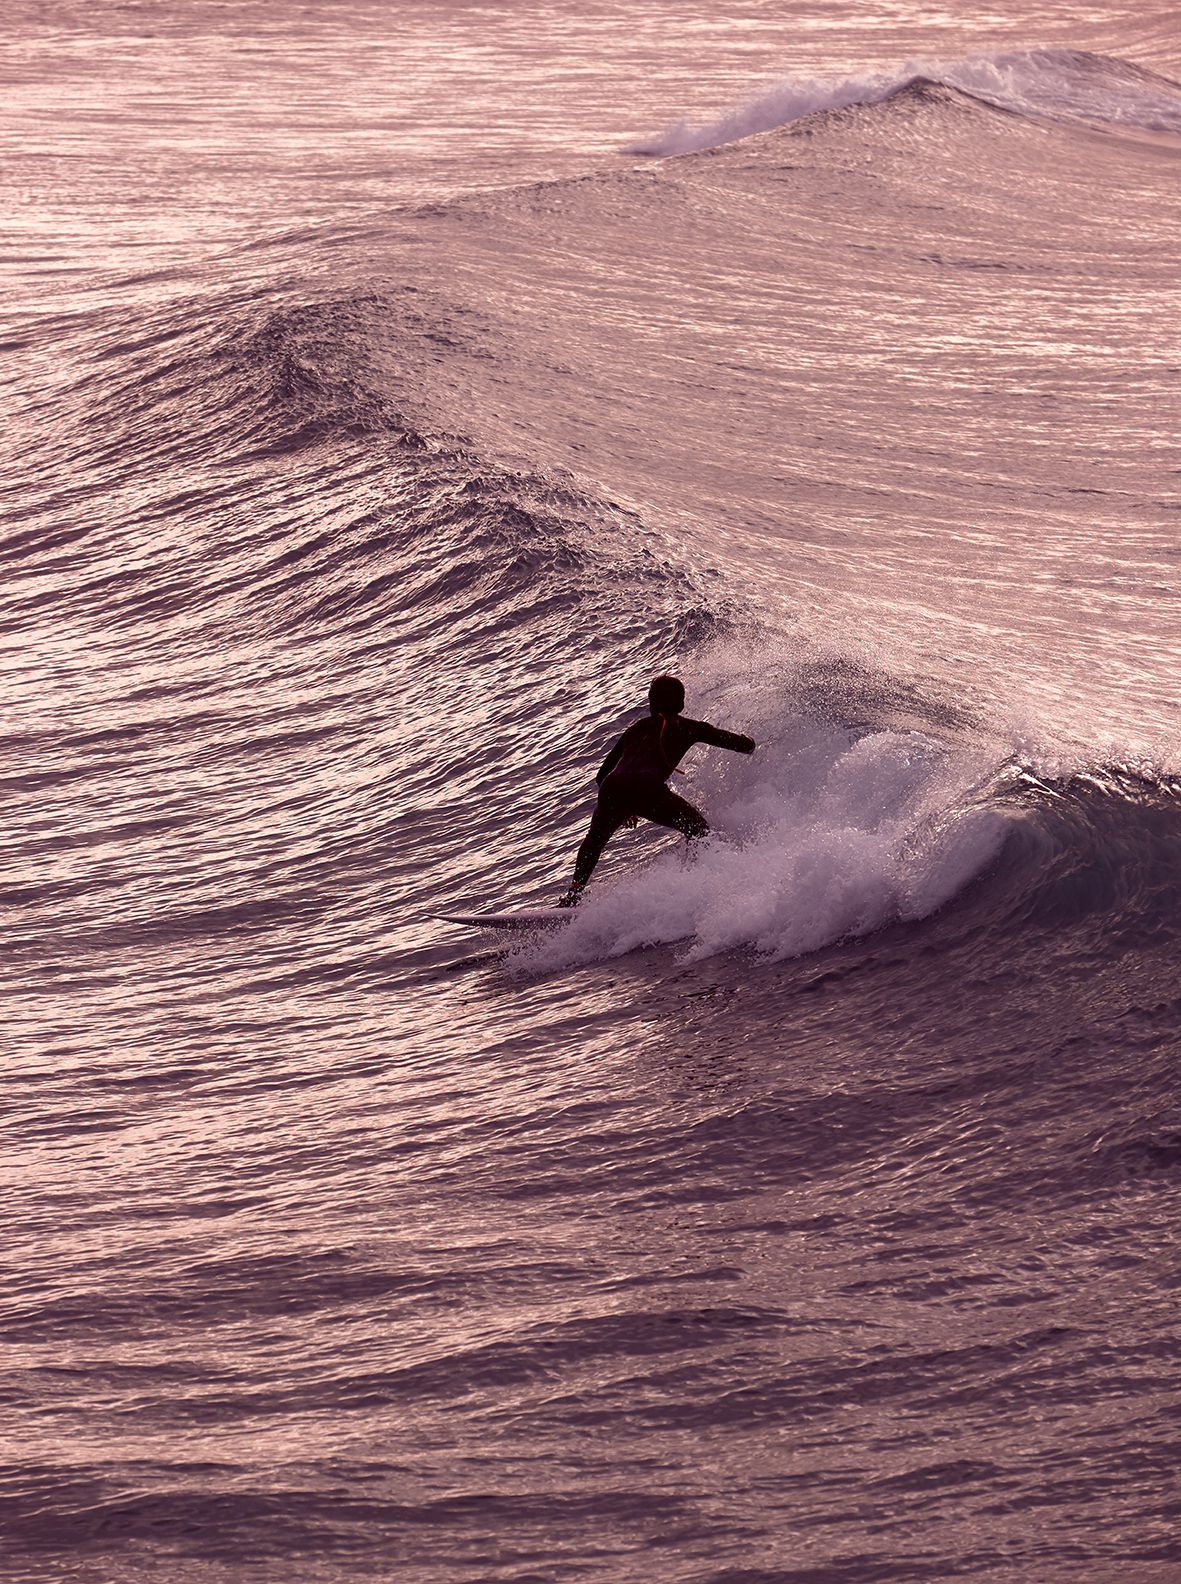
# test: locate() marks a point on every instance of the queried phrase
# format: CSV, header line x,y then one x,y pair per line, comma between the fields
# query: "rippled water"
x,y
390,392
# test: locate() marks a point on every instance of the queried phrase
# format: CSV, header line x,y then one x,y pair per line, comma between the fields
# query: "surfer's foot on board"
x,y
571,898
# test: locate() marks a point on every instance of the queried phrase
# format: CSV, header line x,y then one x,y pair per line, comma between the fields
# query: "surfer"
x,y
632,777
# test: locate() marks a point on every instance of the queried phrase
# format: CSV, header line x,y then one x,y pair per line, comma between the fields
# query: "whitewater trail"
x,y
824,834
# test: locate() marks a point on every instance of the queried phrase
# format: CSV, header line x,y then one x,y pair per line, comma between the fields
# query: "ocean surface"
x,y
389,392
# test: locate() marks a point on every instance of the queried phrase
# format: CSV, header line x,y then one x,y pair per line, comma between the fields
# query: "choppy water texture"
x,y
389,392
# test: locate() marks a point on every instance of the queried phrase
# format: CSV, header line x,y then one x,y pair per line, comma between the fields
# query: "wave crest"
x,y
1063,84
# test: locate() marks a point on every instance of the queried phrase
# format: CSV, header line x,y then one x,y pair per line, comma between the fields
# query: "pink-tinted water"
x,y
375,426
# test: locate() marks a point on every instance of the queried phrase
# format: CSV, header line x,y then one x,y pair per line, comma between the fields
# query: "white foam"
x,y
1064,83
822,834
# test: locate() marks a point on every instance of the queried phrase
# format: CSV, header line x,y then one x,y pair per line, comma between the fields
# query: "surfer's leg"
x,y
666,808
605,821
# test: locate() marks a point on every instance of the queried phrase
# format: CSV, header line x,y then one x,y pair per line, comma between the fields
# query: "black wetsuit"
x,y
632,782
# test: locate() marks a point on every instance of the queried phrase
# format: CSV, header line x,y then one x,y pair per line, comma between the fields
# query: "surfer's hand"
x,y
631,822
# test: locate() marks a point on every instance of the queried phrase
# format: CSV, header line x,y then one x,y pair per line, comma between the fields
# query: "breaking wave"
x,y
833,832
1067,84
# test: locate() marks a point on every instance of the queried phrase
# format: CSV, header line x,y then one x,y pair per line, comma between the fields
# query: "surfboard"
x,y
521,919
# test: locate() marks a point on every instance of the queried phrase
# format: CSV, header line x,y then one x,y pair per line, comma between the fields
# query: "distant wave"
x,y
1070,84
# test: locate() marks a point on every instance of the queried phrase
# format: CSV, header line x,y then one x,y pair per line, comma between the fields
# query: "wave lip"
x,y
1062,84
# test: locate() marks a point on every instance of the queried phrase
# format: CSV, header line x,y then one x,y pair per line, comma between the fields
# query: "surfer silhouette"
x,y
632,777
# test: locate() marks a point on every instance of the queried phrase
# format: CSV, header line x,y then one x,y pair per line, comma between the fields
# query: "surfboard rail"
x,y
514,919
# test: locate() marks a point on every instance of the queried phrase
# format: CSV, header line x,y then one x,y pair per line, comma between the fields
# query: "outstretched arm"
x,y
738,742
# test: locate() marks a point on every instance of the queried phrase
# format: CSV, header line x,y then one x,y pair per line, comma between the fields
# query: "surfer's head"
x,y
666,696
